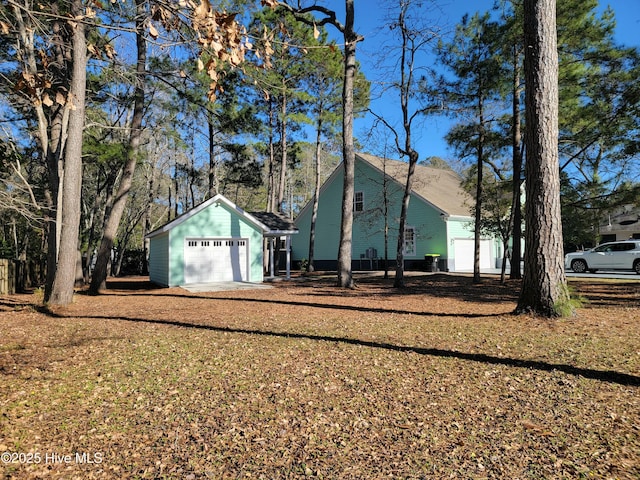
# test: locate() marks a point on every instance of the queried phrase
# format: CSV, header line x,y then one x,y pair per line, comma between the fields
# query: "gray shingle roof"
x,y
275,222
439,187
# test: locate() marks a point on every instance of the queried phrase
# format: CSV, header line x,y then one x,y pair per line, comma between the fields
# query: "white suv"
x,y
608,256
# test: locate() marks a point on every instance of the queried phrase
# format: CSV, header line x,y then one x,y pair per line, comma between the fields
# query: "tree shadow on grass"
x,y
441,285
608,376
459,287
325,288
132,284
329,306
599,294
12,303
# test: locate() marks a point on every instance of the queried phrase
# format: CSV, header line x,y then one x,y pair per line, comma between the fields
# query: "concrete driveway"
x,y
223,286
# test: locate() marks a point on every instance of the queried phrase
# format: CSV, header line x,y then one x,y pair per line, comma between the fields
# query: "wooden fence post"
x,y
7,276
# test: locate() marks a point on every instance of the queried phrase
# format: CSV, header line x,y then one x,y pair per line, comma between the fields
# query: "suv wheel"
x,y
579,266
636,267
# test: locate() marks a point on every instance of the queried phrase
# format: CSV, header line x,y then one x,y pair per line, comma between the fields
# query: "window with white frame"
x,y
358,202
409,241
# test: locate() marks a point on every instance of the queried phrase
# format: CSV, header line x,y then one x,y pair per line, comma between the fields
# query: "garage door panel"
x,y
464,253
216,260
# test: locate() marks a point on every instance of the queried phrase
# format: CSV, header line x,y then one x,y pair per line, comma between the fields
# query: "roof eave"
x,y
219,198
276,233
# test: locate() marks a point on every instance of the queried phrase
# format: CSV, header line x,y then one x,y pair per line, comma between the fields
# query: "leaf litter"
x,y
306,380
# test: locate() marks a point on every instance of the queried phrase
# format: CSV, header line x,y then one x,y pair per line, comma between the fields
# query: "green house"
x,y
439,230
213,242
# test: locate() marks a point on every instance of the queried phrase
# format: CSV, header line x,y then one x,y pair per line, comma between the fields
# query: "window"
x,y
608,238
409,241
358,201
624,247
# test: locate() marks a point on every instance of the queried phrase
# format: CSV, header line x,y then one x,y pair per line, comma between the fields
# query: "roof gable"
x,y
219,199
438,187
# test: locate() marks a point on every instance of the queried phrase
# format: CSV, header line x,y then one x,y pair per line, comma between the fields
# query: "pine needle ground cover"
x,y
306,380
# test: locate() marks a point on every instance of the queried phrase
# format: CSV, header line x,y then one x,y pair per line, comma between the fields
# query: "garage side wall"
x,y
159,260
459,232
456,229
215,221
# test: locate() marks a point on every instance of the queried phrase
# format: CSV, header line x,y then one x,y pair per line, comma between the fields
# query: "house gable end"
x,y
219,200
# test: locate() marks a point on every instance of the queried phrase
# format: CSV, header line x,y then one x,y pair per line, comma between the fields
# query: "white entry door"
x,y
215,260
464,252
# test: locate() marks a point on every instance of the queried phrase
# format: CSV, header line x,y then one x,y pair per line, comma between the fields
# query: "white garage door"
x,y
463,254
215,260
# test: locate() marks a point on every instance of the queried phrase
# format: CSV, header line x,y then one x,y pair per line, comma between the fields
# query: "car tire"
x,y
579,266
636,267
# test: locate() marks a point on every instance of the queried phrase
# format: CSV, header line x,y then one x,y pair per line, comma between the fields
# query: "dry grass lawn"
x,y
308,380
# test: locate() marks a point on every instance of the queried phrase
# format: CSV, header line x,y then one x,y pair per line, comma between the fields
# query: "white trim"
x,y
217,199
411,253
355,194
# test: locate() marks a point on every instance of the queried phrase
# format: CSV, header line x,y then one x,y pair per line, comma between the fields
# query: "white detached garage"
x,y
215,241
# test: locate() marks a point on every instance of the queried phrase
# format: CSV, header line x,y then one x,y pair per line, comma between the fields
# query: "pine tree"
x,y
544,289
478,70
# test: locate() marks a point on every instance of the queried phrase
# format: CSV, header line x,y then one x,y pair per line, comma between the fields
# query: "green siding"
x,y
159,259
369,225
217,220
460,228
327,225
457,228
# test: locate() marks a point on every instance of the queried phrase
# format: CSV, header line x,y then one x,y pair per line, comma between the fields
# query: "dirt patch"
x,y
438,380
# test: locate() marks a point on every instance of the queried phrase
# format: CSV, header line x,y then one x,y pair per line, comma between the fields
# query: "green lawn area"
x,y
306,380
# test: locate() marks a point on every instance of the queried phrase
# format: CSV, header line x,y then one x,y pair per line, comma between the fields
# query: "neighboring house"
x,y
622,224
438,222
214,241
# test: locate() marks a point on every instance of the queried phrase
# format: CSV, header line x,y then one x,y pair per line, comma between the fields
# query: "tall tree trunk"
x,y
271,187
477,233
283,149
99,278
316,195
50,129
544,285
385,215
413,160
516,203
65,277
147,216
169,201
406,73
345,274
176,189
213,178
192,180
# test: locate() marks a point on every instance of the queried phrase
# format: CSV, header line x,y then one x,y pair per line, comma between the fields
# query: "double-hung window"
x,y
358,202
409,241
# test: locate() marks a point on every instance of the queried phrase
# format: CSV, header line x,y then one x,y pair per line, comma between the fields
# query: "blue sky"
x,y
370,19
